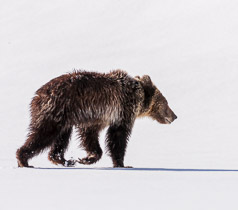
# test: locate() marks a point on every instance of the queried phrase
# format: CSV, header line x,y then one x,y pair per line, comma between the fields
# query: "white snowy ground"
x,y
190,50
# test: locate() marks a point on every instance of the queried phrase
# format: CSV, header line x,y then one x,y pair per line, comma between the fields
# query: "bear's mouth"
x,y
168,121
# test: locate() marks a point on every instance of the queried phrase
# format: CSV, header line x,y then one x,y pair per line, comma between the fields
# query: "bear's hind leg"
x,y
58,148
36,142
89,142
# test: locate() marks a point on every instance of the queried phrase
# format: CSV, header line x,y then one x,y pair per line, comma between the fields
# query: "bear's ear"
x,y
149,89
146,80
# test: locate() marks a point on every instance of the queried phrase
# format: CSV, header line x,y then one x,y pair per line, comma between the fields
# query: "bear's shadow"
x,y
141,169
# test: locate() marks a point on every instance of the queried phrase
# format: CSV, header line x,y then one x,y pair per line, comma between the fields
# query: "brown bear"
x,y
90,101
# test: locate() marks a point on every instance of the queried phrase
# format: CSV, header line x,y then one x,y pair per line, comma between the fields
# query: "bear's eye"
x,y
161,106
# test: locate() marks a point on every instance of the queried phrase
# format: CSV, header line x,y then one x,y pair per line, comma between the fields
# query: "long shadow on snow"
x,y
144,169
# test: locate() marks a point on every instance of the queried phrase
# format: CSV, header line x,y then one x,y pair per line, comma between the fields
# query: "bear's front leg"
x,y
117,138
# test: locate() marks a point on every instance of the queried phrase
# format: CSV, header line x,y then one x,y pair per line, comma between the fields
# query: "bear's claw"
x,y
87,160
70,163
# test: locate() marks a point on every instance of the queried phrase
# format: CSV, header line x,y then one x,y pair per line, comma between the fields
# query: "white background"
x,y
189,49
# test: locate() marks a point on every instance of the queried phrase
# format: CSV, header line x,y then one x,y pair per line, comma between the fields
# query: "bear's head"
x,y
155,104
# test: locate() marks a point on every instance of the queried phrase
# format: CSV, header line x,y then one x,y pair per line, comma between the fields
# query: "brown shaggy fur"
x,y
90,101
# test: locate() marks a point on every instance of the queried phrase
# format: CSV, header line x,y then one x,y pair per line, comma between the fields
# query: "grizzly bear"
x,y
89,102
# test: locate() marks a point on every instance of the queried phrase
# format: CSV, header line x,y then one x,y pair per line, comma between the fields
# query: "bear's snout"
x,y
170,116
175,117
169,120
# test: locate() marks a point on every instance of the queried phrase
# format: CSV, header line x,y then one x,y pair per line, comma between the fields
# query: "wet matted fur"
x,y
90,101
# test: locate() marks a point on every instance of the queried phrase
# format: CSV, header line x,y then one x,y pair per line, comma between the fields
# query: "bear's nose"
x,y
175,117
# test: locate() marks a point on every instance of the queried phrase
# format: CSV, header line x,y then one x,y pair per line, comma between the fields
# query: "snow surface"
x,y
190,50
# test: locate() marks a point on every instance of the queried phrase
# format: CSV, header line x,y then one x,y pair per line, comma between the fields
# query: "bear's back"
x,y
82,97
